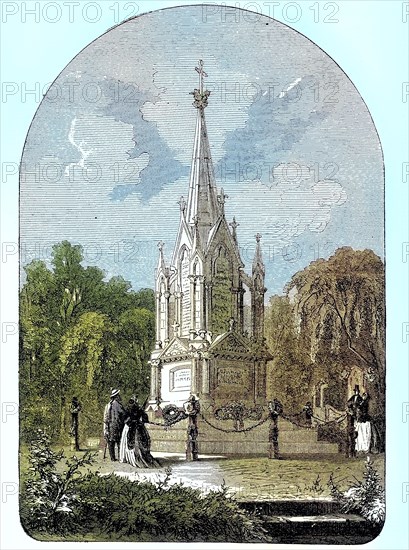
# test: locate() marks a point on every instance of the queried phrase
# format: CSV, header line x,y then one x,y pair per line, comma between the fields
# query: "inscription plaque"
x,y
230,376
180,379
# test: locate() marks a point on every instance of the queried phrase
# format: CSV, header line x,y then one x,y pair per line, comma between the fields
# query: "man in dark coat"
x,y
353,406
308,414
114,419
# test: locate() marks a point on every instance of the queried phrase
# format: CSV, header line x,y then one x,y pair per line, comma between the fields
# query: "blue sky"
x,y
108,153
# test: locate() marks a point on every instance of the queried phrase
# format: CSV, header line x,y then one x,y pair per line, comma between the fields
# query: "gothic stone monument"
x,y
201,345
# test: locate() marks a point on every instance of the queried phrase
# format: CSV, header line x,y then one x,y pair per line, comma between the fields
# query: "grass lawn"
x,y
250,478
299,478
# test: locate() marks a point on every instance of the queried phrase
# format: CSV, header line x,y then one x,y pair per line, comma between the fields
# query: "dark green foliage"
x,y
80,335
291,371
164,512
366,498
48,495
111,507
221,301
340,304
332,317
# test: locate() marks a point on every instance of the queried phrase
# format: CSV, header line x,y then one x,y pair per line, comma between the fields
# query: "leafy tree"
x,y
80,335
340,304
333,315
135,338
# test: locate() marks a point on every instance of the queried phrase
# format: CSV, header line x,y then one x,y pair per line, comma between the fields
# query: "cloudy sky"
x,y
108,153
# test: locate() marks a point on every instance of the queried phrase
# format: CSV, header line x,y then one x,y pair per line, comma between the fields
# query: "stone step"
x,y
291,507
317,448
255,436
292,440
311,522
262,448
168,446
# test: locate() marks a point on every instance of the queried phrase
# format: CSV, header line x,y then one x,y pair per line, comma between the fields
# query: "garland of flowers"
x,y
172,414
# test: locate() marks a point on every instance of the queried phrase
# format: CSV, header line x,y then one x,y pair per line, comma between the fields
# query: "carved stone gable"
x,y
176,348
230,344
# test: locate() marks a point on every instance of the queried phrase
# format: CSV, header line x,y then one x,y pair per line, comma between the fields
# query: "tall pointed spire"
x,y
202,205
234,225
257,292
258,264
161,259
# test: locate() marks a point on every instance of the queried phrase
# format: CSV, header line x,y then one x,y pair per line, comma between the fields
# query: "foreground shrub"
x,y
112,507
49,493
162,511
366,498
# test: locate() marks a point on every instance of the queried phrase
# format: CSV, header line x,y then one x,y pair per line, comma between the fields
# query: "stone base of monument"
x,y
292,440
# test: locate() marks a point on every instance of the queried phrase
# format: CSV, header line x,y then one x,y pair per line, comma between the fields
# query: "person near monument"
x,y
75,410
192,409
363,425
353,405
114,418
275,408
308,413
135,445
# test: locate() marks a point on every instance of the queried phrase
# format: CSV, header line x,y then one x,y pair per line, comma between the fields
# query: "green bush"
x,y
111,507
48,493
162,511
366,498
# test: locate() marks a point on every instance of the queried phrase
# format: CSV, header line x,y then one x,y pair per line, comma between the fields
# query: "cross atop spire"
x,y
200,95
202,73
234,225
258,237
202,197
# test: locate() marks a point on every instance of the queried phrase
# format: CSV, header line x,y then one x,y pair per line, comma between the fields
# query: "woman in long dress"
x,y
135,441
363,426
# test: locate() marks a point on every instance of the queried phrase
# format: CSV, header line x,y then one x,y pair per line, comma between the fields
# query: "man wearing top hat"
x,y
114,419
353,405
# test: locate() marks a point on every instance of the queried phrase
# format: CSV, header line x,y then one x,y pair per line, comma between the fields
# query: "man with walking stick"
x,y
114,419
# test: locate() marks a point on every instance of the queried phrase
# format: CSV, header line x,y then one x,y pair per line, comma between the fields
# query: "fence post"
x,y
275,409
192,410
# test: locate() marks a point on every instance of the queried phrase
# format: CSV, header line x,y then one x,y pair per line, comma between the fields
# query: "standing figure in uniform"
x,y
114,419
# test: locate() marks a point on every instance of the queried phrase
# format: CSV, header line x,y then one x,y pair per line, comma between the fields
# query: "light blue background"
x,y
370,43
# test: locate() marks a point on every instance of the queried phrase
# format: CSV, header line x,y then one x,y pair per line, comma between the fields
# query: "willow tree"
x,y
340,304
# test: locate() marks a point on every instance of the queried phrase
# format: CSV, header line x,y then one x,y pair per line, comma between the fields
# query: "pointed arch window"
x,y
184,270
162,304
221,291
198,297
